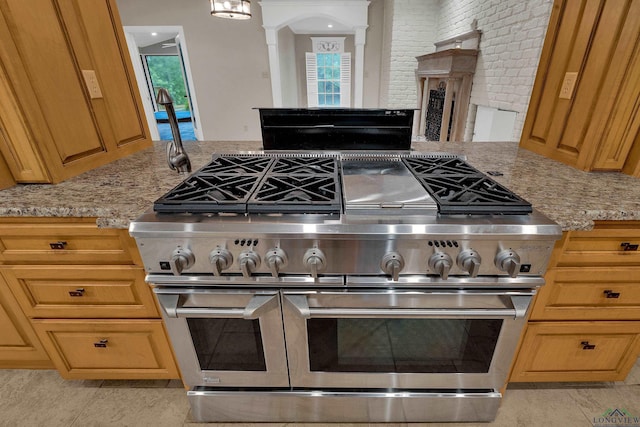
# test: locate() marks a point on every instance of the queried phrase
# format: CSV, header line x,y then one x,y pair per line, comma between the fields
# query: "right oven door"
x,y
427,339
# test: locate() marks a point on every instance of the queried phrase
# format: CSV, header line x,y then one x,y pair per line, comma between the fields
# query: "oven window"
x,y
402,345
228,344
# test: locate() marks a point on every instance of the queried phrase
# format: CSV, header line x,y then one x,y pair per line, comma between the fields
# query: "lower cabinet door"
x,y
108,349
19,345
577,351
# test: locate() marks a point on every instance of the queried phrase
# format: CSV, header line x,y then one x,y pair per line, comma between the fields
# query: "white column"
x,y
271,34
360,39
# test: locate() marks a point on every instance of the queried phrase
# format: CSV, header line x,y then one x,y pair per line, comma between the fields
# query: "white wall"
x,y
229,63
512,35
288,67
230,66
409,30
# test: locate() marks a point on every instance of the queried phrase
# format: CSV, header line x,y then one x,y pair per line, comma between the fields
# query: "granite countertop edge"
x,y
117,193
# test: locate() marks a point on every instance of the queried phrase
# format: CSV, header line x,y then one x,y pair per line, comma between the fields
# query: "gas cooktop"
x,y
335,183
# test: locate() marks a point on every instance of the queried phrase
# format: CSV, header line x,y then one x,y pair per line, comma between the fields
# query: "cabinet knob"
x,y
610,294
586,346
101,343
77,293
57,245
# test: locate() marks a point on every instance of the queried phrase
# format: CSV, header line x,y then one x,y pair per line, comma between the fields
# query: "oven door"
x,y
435,339
225,337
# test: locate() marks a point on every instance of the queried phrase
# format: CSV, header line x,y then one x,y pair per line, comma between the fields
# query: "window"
x,y
328,74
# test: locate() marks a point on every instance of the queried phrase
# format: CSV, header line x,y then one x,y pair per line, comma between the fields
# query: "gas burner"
x,y
236,165
459,188
304,165
297,194
439,166
472,194
209,193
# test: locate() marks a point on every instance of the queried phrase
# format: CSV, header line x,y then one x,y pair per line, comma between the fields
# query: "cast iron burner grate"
x,y
299,185
223,185
258,184
236,165
459,188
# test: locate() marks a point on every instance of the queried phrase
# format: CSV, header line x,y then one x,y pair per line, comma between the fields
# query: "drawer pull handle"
x,y
101,343
58,245
626,246
586,346
610,294
77,293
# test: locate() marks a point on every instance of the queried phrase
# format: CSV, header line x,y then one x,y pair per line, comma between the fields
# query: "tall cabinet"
x,y
68,96
586,97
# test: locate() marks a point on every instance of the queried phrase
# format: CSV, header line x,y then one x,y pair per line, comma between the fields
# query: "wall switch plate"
x,y
568,85
91,81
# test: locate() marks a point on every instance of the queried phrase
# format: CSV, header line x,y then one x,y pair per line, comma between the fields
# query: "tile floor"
x,y
42,398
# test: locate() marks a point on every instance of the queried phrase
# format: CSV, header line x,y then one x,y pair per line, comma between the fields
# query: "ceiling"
x,y
147,39
319,25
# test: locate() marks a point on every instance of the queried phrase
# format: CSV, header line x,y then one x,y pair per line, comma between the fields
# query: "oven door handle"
x,y
519,310
257,306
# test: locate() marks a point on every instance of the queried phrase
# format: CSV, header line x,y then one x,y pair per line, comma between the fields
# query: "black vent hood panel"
x,y
336,129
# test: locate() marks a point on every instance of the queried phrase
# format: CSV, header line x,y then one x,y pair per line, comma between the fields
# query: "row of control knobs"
x,y
314,261
441,263
249,261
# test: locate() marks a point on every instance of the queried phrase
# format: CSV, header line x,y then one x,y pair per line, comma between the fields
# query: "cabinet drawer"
x,y
589,294
577,351
63,242
81,291
610,244
107,349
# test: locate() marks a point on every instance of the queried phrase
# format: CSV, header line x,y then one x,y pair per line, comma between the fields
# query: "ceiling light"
x,y
154,34
330,25
234,9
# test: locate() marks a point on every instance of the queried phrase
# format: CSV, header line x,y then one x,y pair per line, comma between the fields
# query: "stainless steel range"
x,y
344,286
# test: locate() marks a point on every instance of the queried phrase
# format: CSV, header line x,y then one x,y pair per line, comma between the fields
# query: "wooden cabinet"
x,y
577,351
107,349
83,292
19,345
585,321
68,97
6,178
583,108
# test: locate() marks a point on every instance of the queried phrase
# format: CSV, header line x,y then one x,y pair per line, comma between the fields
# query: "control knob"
x,y
469,260
508,261
275,259
441,263
314,260
181,259
249,262
221,259
392,263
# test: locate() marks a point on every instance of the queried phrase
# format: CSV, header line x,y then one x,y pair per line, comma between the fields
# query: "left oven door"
x,y
226,338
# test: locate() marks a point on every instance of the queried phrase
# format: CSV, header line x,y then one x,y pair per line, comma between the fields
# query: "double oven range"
x,y
354,286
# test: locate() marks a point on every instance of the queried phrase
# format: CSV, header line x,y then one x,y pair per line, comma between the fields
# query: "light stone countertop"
x,y
120,191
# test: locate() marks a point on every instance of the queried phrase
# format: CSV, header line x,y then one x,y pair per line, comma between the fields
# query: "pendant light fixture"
x,y
233,9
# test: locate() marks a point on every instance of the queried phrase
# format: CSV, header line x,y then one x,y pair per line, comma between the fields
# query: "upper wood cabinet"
x,y
586,96
68,96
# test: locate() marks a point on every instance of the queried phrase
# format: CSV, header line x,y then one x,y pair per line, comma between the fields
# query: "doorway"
x,y
165,71
160,59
